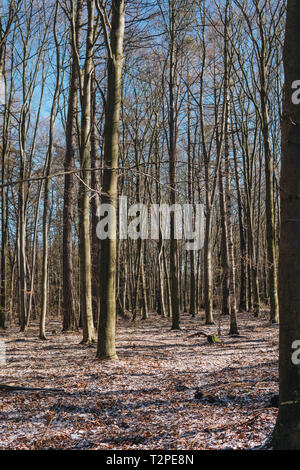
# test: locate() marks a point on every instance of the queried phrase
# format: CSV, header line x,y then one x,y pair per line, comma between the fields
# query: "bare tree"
x,y
287,433
114,44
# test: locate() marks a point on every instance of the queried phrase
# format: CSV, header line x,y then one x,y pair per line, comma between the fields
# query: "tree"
x,y
84,217
287,431
263,37
69,319
48,166
29,70
228,199
173,136
5,27
114,43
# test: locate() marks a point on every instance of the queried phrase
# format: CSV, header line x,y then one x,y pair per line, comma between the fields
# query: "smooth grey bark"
x,y
68,302
107,320
53,114
89,335
173,135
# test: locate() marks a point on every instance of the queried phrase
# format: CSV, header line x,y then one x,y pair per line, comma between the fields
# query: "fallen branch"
x,y
16,388
212,339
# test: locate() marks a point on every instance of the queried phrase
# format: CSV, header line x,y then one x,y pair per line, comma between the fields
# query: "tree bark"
x,y
68,303
84,217
173,132
107,321
287,431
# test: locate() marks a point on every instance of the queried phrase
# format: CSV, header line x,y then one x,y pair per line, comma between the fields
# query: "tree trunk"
x,y
107,321
68,304
94,206
44,302
287,431
270,218
84,217
173,131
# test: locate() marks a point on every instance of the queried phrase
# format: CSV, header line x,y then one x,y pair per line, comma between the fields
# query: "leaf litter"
x,y
167,391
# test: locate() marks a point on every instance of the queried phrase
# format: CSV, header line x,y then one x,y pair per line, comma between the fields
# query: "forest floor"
x,y
146,399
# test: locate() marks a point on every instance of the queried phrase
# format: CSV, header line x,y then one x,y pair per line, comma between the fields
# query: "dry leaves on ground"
x,y
146,399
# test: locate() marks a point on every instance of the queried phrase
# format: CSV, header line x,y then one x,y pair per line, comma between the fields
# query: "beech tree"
x,y
6,24
114,36
84,211
287,431
69,316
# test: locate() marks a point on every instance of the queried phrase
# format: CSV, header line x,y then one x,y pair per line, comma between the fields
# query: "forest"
x,y
149,237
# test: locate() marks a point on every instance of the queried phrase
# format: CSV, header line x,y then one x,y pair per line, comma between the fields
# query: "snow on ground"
x,y
146,400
